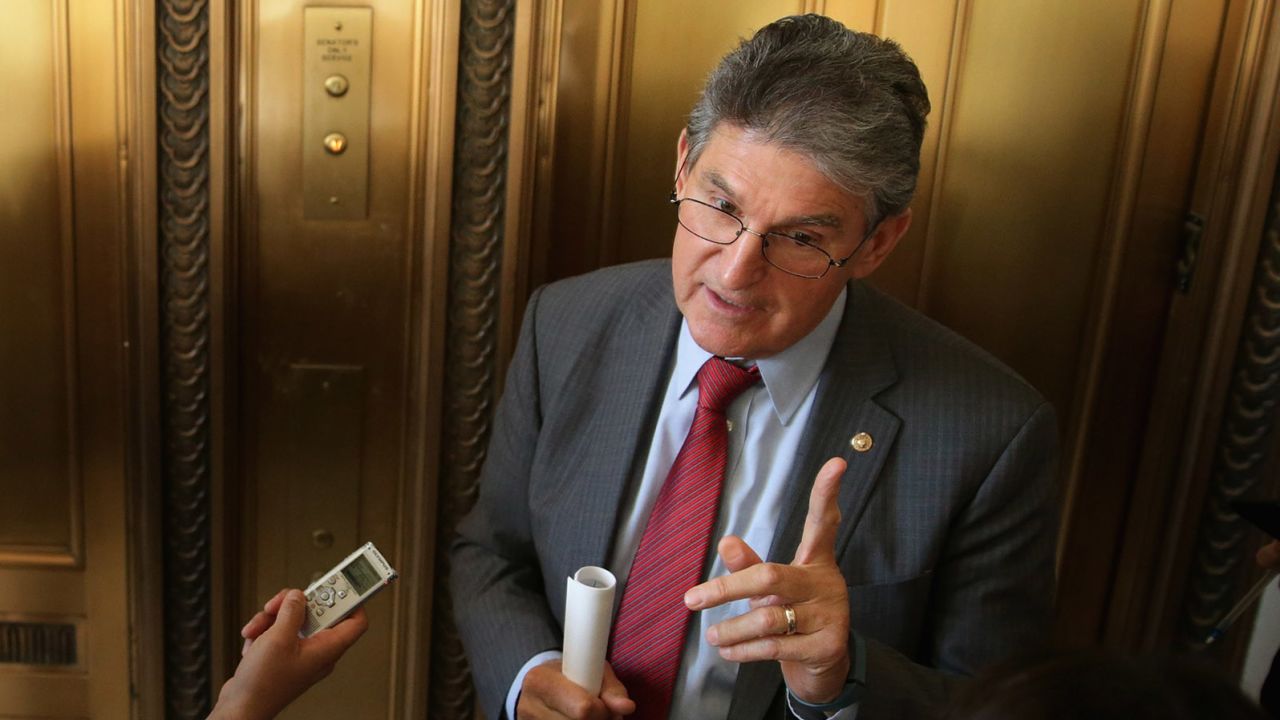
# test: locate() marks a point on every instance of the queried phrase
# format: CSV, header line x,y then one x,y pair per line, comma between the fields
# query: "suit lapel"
x,y
631,376
859,365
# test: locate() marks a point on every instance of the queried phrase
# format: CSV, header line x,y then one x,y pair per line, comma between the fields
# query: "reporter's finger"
x,y
1269,554
273,605
334,641
257,625
263,619
818,541
293,612
614,694
736,553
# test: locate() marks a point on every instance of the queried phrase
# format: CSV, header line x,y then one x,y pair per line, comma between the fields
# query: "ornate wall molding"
x,y
182,108
475,254
1245,446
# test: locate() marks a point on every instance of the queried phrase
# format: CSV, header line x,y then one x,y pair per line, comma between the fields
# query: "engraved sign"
x,y
335,114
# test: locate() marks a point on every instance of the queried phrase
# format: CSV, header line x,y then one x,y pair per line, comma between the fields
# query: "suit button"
x,y
861,442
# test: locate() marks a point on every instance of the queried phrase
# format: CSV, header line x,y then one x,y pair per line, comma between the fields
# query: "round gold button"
x,y
335,143
336,85
861,442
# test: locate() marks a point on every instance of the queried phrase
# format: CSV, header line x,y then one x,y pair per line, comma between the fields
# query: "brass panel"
x,y
863,15
1023,200
318,300
32,589
39,518
335,119
312,480
933,34
676,44
95,32
40,694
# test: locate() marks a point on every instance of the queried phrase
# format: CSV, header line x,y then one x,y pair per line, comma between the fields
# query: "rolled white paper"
x,y
588,615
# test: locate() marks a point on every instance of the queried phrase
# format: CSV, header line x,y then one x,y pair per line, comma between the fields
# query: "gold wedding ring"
x,y
791,619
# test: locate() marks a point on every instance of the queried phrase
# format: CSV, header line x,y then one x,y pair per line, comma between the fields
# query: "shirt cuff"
x,y
807,712
844,707
513,695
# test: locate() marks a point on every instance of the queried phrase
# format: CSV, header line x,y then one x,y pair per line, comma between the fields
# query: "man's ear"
x,y
882,242
682,152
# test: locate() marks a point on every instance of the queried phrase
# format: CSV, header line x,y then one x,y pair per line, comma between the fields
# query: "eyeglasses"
x,y
790,254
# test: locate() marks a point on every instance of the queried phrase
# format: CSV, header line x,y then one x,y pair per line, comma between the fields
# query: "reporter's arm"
x,y
277,665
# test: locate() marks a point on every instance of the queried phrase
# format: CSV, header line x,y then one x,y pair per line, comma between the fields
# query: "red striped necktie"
x,y
649,633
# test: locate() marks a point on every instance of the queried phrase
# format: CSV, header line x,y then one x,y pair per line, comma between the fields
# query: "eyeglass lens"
x,y
722,228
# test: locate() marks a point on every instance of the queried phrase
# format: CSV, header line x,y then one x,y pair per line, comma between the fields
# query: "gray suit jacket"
x,y
949,520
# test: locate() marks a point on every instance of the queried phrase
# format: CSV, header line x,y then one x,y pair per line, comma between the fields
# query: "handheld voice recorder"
x,y
345,587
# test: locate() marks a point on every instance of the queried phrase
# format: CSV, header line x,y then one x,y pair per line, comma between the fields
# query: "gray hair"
x,y
851,102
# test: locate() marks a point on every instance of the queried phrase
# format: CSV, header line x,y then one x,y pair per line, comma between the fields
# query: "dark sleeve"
x,y
498,598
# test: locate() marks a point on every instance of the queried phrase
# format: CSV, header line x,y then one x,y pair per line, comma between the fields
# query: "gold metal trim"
x,y
1144,76
182,79
70,555
955,63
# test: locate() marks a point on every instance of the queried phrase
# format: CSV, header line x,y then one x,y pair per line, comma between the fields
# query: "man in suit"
x,y
898,480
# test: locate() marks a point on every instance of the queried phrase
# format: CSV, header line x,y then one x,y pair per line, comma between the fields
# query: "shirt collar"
x,y
788,376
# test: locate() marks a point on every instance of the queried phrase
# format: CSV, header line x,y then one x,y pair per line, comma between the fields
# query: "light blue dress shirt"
x,y
767,426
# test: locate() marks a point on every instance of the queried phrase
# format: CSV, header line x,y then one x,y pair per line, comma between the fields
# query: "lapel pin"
x,y
729,424
861,442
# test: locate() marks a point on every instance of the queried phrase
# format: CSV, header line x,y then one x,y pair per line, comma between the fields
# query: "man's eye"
x,y
725,205
803,238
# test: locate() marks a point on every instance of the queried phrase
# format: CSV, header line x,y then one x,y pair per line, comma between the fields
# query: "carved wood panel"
x,y
475,272
182,114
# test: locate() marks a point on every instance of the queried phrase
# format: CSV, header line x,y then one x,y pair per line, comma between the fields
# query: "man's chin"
x,y
733,342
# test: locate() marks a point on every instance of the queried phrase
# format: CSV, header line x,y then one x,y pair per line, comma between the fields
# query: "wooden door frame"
x,y
1159,484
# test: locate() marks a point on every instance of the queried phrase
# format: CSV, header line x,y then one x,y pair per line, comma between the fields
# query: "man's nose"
x,y
743,263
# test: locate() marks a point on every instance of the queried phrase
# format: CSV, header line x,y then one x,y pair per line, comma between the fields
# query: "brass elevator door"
x,y
64,642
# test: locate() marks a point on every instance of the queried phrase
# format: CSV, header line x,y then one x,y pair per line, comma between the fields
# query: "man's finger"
x,y
755,581
737,554
615,694
818,542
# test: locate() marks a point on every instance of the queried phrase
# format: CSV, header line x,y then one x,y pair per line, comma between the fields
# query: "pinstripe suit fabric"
x,y
949,520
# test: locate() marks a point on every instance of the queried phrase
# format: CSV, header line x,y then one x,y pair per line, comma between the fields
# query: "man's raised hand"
x,y
814,656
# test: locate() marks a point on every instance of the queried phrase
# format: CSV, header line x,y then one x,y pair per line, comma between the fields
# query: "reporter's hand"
x,y
1269,555
547,693
815,658
277,666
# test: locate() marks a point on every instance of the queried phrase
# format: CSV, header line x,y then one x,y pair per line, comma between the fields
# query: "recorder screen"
x,y
361,575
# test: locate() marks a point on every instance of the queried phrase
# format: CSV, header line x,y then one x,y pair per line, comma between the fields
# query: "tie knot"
x,y
720,381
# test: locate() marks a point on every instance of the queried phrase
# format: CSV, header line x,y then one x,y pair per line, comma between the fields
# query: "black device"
x,y
1263,514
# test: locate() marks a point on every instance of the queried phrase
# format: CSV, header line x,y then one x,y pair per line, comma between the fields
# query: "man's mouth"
x,y
728,305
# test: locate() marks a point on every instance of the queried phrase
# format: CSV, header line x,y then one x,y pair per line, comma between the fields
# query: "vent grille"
x,y
30,643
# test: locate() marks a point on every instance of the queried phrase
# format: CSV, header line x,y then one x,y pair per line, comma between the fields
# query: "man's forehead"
x,y
812,211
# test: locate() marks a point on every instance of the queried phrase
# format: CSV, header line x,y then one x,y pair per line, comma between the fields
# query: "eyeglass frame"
x,y
764,237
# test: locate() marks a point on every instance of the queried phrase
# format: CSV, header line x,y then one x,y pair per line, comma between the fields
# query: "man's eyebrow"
x,y
718,180
831,221
822,220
